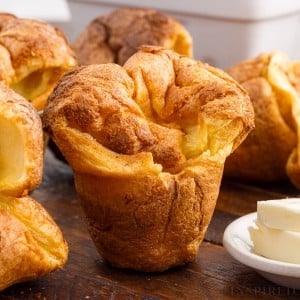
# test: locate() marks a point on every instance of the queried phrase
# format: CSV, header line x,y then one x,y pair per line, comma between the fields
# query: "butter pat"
x,y
281,214
276,244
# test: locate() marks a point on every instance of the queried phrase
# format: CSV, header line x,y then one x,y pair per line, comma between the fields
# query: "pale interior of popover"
x,y
37,83
11,153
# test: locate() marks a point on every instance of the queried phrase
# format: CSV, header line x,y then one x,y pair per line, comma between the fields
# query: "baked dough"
x,y
147,143
116,36
33,56
31,244
21,145
271,151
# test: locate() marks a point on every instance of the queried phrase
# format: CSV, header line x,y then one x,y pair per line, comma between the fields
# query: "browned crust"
x,y
31,244
116,36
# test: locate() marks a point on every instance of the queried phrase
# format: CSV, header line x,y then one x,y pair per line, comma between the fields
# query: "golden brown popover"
x,y
147,143
270,152
116,36
31,244
33,56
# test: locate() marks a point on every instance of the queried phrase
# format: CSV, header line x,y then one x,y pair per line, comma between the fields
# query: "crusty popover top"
x,y
116,36
169,105
33,56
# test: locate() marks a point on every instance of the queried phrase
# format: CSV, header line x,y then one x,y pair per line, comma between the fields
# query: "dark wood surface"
x,y
214,274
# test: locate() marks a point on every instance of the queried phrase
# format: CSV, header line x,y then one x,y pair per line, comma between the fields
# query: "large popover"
x,y
33,56
270,152
31,244
114,37
147,143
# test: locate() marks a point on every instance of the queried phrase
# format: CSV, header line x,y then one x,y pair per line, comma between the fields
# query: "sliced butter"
x,y
276,244
281,214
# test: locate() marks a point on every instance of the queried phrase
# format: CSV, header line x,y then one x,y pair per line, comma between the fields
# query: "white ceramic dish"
x,y
237,241
48,10
249,25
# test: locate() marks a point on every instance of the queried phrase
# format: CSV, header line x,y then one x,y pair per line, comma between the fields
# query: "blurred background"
x,y
224,32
